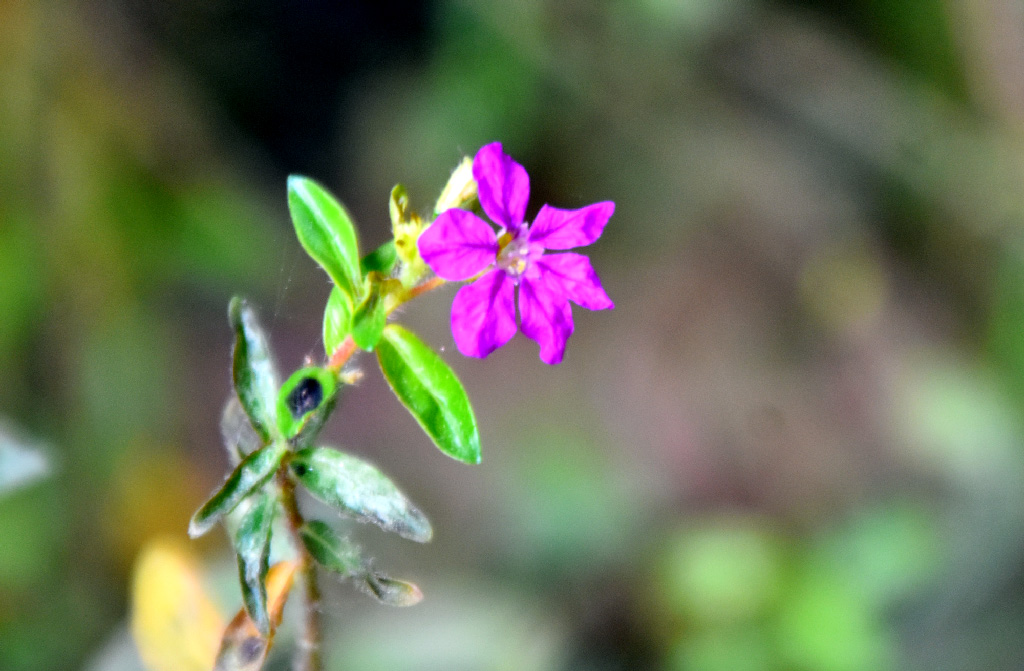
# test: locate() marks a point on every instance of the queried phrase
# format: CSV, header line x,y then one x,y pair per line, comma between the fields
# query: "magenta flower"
x,y
459,245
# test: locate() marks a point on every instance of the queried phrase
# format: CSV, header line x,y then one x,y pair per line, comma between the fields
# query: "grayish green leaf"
x,y
391,591
249,475
359,490
333,552
252,370
339,555
428,388
252,545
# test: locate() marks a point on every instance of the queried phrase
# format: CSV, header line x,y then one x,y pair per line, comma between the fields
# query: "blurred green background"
x,y
795,445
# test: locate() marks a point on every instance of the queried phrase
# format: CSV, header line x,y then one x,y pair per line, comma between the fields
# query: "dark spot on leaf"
x,y
306,396
250,650
300,469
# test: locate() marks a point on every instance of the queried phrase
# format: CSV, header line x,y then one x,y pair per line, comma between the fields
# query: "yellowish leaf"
x,y
175,623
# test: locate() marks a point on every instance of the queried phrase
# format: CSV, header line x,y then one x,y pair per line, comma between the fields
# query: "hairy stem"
x,y
307,657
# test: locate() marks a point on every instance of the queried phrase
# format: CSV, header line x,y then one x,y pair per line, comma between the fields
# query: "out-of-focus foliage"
x,y
743,595
21,462
120,223
796,443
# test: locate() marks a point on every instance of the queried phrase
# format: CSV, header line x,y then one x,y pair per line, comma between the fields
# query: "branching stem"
x,y
308,656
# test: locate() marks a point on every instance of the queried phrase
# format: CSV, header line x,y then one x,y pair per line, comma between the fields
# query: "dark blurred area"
x,y
796,444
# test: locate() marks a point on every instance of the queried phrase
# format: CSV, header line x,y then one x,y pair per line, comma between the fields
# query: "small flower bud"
x,y
406,234
460,190
398,205
406,227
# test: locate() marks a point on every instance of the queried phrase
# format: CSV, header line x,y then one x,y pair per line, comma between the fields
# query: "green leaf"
x,y
381,260
369,319
252,543
252,369
333,552
305,402
428,388
392,592
359,490
337,320
246,478
326,232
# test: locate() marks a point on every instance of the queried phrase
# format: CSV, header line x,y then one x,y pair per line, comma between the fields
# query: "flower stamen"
x,y
514,254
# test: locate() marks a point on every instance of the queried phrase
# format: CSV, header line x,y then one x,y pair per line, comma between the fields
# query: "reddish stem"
x,y
429,285
341,355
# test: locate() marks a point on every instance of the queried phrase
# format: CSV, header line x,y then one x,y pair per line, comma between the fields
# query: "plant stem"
x,y
340,356
307,657
419,290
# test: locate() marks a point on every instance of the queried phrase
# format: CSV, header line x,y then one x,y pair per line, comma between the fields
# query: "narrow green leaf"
x,y
337,320
369,320
357,489
333,552
326,232
391,591
305,402
428,388
252,369
252,544
381,260
246,478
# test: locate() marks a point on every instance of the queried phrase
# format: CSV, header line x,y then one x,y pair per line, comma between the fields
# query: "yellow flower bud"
x,y
460,191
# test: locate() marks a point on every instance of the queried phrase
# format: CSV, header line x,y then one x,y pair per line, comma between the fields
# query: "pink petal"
x,y
576,277
484,315
503,186
546,318
458,245
564,229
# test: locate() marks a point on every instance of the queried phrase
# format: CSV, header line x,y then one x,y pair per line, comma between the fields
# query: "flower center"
x,y
514,254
